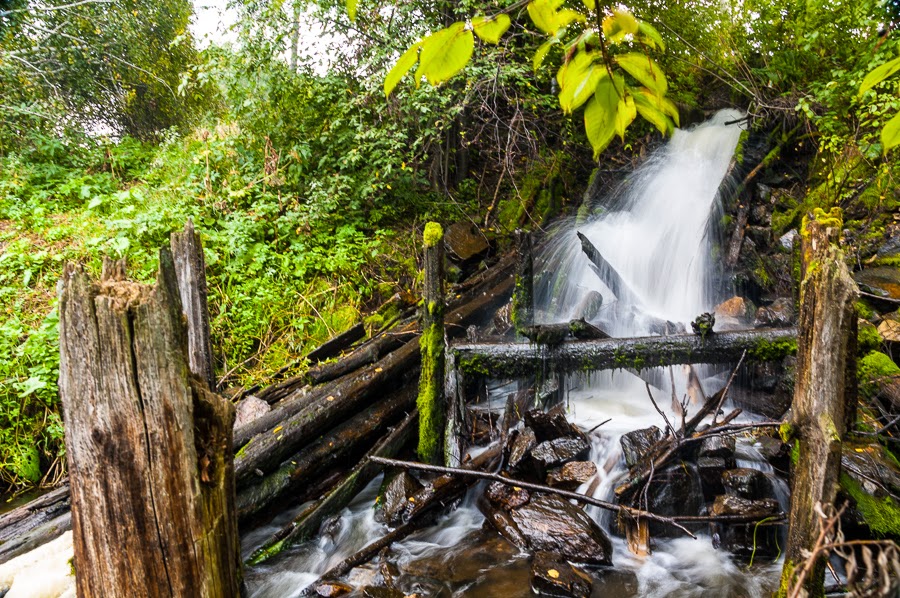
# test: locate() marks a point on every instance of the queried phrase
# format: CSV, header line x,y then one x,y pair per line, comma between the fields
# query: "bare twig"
x,y
727,386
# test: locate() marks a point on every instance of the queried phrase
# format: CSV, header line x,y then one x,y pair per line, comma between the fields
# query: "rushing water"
x,y
657,236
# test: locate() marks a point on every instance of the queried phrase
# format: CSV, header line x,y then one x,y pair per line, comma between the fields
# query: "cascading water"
x,y
658,239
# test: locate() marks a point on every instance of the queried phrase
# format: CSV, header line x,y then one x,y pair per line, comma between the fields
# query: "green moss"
x,y
863,310
430,399
241,452
795,453
831,219
433,234
474,364
872,368
739,150
266,553
882,515
766,350
786,432
867,338
787,576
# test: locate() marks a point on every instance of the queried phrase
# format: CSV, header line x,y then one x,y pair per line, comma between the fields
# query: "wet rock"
x,y
883,281
503,523
889,328
552,575
636,444
703,324
463,562
711,470
380,592
482,425
502,320
329,589
730,505
551,424
779,314
761,235
761,216
552,524
554,453
747,483
465,241
572,475
248,409
871,468
788,239
746,540
891,248
664,327
589,307
396,497
718,446
676,490
777,453
736,307
765,388
519,446
506,497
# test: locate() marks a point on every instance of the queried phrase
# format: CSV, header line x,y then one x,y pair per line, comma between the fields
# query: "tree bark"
x,y
430,402
523,294
148,447
823,360
517,359
606,272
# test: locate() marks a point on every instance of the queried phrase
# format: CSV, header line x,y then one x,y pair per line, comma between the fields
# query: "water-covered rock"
x,y
519,446
557,452
552,524
589,307
571,475
676,490
718,446
551,424
883,281
396,497
330,589
636,444
711,470
730,505
779,314
553,575
776,452
744,482
382,592
506,497
747,540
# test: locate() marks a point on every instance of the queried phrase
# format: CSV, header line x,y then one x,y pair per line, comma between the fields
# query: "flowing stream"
x,y
657,234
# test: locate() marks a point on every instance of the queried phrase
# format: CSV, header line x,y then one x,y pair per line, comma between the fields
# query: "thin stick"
x,y
600,424
658,410
727,386
536,487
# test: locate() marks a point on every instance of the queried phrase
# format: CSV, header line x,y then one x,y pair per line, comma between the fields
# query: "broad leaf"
x,y
645,70
402,67
663,104
650,111
879,74
619,24
578,78
541,53
600,113
491,29
649,36
546,16
590,4
625,114
445,53
351,9
890,134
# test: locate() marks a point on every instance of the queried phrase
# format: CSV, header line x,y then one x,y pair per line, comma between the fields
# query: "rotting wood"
x,y
737,237
265,451
190,271
308,522
821,388
32,524
148,446
553,334
522,313
607,274
346,441
335,345
432,345
514,359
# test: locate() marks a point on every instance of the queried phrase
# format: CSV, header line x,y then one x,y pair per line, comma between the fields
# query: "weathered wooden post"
x,y
148,445
522,311
824,358
431,381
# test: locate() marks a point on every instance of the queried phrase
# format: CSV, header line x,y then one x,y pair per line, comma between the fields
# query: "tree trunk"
x,y
821,388
523,294
148,448
432,411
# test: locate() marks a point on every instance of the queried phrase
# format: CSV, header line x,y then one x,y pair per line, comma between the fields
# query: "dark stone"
x,y
502,320
380,592
718,446
676,490
751,484
572,475
664,327
329,589
482,425
730,505
761,235
551,424
777,453
779,314
747,540
396,497
554,453
503,523
590,306
761,216
711,470
553,524
765,388
464,240
891,248
552,575
883,281
636,444
506,497
519,446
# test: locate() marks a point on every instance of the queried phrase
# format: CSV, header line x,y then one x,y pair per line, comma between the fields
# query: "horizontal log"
x,y
518,359
337,344
34,523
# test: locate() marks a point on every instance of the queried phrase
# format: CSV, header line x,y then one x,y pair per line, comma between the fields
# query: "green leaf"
x,y
879,74
660,103
402,67
619,24
547,18
649,109
351,9
590,4
445,53
541,53
890,134
578,79
625,114
600,113
645,70
25,463
649,36
491,29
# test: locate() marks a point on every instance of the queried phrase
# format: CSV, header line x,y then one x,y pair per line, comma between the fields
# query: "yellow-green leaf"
x,y
445,53
890,134
663,104
600,113
590,4
491,29
541,53
649,36
645,70
351,9
879,74
625,114
406,62
578,79
649,110
546,16
619,24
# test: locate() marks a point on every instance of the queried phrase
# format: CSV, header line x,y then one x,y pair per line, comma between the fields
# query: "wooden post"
x,y
190,272
824,357
454,395
148,446
431,343
523,294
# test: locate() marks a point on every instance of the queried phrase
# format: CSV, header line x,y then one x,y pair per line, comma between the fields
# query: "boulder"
x,y
718,446
395,498
558,452
248,409
883,281
736,307
519,446
747,483
551,424
761,235
779,314
571,475
747,540
552,575
675,490
503,496
553,524
465,241
730,505
711,470
329,589
589,307
636,444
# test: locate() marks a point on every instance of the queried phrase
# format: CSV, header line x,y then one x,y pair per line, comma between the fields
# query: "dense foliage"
x,y
308,185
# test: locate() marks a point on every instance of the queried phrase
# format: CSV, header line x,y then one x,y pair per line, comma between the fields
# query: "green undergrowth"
x,y
871,369
882,515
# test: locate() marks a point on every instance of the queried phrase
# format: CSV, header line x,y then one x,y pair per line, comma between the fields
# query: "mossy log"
x,y
148,445
824,359
430,402
512,360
